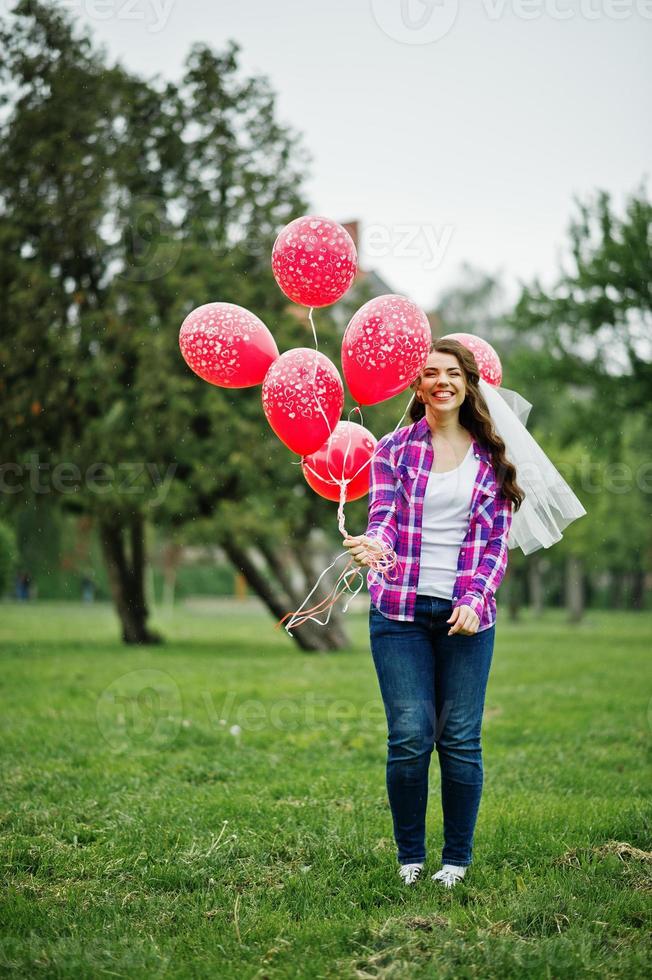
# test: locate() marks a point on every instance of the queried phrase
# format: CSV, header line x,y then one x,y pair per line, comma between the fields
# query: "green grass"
x,y
142,837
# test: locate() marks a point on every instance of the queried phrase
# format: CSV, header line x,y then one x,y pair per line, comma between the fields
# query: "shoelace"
x,y
410,872
448,878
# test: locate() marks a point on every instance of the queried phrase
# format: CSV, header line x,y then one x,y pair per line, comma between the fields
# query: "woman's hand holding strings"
x,y
361,548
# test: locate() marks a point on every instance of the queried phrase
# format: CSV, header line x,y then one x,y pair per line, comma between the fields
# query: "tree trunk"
x,y
281,566
638,590
171,558
574,589
512,588
535,583
309,636
617,590
126,575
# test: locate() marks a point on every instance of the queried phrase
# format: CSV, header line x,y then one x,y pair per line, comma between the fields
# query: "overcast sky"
x,y
453,132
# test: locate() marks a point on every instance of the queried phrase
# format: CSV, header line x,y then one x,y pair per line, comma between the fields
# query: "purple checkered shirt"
x,y
399,476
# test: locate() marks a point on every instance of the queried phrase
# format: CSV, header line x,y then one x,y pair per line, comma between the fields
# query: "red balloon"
x,y
384,347
292,399
227,345
487,359
314,261
324,468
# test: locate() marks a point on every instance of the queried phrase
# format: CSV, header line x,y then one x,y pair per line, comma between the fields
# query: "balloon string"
x,y
302,615
383,561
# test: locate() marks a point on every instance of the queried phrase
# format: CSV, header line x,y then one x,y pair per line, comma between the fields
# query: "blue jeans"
x,y
433,688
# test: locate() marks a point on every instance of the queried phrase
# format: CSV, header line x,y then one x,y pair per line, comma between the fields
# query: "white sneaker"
x,y
410,872
449,875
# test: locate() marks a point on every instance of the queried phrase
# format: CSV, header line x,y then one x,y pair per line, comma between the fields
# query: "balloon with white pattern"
x,y
384,348
303,397
227,345
345,456
314,261
486,357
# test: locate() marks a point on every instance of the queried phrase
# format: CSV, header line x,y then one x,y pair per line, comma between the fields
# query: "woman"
x,y
442,496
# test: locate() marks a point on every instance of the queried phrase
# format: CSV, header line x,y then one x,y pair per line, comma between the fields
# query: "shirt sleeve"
x,y
493,564
382,495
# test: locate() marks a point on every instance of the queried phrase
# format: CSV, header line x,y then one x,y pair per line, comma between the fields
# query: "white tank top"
x,y
446,513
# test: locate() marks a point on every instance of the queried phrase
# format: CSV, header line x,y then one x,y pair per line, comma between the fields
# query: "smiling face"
x,y
442,387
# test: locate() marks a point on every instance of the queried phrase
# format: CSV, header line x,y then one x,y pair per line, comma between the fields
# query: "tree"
x,y
590,336
118,218
7,556
596,323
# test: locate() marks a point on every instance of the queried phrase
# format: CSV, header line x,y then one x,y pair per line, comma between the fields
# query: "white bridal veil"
x,y
550,505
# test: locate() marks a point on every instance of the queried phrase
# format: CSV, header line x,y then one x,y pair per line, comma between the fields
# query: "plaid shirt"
x,y
399,476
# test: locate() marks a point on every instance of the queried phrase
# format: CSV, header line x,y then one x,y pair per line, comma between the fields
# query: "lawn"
x,y
216,807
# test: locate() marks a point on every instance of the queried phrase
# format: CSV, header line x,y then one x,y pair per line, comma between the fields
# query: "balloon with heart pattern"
x,y
227,345
384,348
345,455
486,357
303,397
314,261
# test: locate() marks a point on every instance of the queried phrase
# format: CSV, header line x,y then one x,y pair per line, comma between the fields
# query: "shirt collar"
x,y
421,432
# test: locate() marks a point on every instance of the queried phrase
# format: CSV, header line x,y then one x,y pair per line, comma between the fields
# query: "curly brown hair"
x,y
475,417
